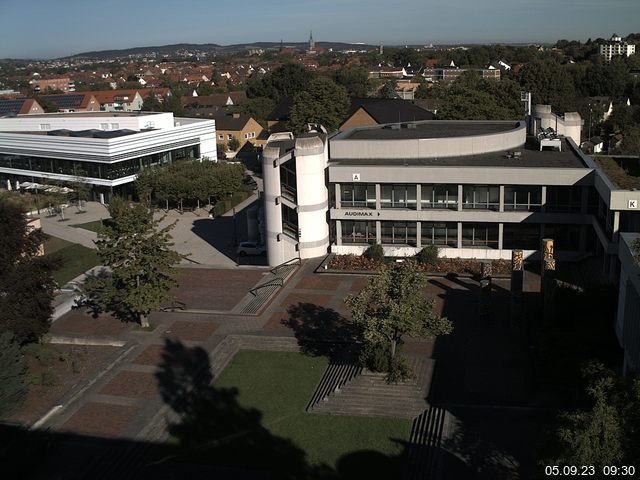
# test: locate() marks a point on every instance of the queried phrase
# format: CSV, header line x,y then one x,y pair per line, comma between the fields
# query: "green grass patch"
x,y
92,226
75,259
280,384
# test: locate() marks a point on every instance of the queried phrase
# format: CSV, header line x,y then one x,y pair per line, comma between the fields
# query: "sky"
x,y
54,28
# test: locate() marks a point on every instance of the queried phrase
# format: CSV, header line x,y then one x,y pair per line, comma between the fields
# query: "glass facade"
x,y
521,236
288,180
105,171
398,196
358,195
480,235
522,198
358,232
442,234
289,222
563,199
481,197
439,196
398,233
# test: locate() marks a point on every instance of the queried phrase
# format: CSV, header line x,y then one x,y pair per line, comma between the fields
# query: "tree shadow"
x,y
323,331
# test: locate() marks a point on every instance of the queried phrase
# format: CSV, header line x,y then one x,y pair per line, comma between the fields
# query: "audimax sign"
x,y
359,213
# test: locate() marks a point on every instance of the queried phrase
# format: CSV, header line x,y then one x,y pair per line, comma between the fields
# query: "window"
x,y
445,234
481,197
358,232
229,136
522,198
288,180
45,126
480,235
220,137
439,196
564,199
358,195
403,233
565,237
521,236
115,126
398,196
104,126
289,222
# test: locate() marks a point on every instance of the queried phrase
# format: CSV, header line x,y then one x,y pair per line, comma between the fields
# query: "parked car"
x,y
251,248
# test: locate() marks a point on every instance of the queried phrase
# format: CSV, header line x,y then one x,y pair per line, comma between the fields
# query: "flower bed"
x,y
444,265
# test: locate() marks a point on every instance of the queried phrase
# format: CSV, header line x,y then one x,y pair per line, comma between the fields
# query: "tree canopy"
x,y
285,81
607,431
323,102
190,182
550,84
355,79
140,264
393,305
13,369
26,285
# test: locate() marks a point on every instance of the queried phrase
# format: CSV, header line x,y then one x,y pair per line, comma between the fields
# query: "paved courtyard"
x,y
121,397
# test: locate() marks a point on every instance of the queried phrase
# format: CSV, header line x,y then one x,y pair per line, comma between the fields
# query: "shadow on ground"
x,y
224,234
213,437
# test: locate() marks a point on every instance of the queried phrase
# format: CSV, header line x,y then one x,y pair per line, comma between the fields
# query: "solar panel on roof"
x,y
66,101
10,107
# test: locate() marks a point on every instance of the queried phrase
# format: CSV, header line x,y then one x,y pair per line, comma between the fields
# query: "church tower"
x,y
312,43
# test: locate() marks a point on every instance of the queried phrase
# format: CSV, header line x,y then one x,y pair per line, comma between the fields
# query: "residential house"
x,y
377,111
210,105
42,85
235,125
616,47
19,106
74,102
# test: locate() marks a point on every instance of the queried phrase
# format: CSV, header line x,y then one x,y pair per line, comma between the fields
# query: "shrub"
x,y
377,358
375,252
42,353
428,254
399,370
13,370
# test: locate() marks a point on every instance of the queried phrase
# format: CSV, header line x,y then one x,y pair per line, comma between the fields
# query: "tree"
x,y
607,432
233,144
323,102
140,264
80,187
13,369
393,305
151,103
285,81
258,108
550,84
355,79
26,285
388,90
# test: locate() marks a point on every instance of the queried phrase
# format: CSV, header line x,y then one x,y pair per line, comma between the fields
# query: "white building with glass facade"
x,y
108,148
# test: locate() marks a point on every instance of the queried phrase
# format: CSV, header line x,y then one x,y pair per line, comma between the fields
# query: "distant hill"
x,y
209,48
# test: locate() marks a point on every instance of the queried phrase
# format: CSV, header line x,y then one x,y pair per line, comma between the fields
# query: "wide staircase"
x,y
368,394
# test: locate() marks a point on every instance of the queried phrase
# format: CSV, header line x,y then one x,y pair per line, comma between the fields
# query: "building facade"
x,y
106,150
616,47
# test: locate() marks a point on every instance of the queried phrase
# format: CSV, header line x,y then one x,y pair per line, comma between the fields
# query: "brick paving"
x,y
215,289
190,331
131,385
294,299
152,355
79,322
101,419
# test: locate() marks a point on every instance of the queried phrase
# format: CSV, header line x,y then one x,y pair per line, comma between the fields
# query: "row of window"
x,y
106,171
480,235
230,136
444,196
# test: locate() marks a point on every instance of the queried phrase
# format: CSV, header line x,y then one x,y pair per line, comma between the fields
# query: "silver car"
x,y
251,248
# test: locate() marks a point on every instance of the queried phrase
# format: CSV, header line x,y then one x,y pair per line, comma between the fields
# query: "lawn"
x,y
76,259
280,384
92,226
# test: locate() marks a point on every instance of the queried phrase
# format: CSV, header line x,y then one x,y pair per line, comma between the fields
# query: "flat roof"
x,y
429,129
530,157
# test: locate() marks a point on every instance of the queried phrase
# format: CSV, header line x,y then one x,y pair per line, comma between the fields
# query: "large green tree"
x,y
140,264
26,285
323,102
550,84
13,369
607,430
285,81
355,79
393,305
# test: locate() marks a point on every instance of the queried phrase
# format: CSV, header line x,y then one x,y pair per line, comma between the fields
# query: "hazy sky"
x,y
51,28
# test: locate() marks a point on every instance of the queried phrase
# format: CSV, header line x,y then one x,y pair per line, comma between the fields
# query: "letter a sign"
x,y
356,177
